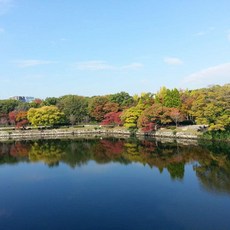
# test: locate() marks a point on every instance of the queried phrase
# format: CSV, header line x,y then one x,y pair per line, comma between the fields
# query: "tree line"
x,y
147,111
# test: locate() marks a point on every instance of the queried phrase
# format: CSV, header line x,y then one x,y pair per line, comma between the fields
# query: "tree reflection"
x,y
19,149
214,172
176,170
109,150
78,152
211,161
48,152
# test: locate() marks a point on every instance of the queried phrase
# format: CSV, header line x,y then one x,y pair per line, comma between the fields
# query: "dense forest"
x,y
147,111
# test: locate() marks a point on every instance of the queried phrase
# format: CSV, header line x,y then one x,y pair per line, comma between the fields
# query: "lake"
x,y
114,183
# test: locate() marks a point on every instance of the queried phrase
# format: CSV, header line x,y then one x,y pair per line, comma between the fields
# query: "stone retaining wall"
x,y
16,134
55,133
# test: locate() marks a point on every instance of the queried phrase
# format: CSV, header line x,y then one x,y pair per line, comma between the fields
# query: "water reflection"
x,y
211,161
214,172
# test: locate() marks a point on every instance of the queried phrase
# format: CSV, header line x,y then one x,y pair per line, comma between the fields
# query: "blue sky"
x,y
55,47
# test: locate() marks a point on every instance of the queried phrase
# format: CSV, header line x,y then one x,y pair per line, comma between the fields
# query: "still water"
x,y
114,184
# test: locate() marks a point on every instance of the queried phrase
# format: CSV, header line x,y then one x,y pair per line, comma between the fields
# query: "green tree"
x,y
73,105
72,119
172,98
160,95
145,100
50,101
123,99
8,105
168,98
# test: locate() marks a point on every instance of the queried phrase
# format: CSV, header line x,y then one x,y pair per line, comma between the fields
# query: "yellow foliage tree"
x,y
45,116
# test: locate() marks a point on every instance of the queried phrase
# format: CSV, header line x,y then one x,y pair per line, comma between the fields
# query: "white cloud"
x,y
132,66
64,39
5,5
173,61
32,62
59,41
2,30
215,74
33,77
204,32
201,33
93,65
97,65
228,36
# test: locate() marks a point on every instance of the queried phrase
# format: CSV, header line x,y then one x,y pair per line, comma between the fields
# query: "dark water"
x,y
114,184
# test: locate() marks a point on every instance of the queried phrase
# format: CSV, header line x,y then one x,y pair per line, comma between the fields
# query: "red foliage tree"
x,y
153,116
112,118
111,107
3,119
148,127
21,119
176,115
37,101
12,117
18,118
96,107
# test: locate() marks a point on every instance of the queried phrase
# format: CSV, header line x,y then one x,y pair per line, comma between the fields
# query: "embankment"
x,y
57,133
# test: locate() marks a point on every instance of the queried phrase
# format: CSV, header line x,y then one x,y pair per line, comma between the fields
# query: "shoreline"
x,y
16,134
72,133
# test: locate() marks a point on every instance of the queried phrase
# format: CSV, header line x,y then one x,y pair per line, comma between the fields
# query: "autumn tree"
x,y
111,107
186,104
18,118
211,106
112,118
36,103
12,117
96,107
100,105
130,116
45,116
21,119
3,119
176,115
145,100
154,116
